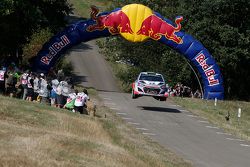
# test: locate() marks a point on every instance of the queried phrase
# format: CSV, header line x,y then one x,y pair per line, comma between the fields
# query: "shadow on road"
x,y
159,109
79,79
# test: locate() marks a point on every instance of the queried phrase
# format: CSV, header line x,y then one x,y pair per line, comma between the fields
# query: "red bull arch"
x,y
136,23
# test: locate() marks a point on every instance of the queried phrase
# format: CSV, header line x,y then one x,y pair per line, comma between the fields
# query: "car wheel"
x,y
134,96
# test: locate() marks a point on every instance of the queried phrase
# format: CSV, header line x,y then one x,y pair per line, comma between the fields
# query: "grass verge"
x,y
82,8
33,134
216,114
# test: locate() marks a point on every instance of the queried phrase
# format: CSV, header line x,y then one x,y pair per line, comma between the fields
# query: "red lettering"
x,y
200,58
45,60
213,81
210,72
205,67
56,46
51,52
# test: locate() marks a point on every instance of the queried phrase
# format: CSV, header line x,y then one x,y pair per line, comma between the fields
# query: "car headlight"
x,y
141,83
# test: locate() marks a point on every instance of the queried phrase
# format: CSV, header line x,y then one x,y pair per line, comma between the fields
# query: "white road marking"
x,y
150,134
112,108
192,116
234,139
107,98
203,121
133,123
141,128
222,133
121,113
184,111
172,105
212,127
126,118
108,103
245,145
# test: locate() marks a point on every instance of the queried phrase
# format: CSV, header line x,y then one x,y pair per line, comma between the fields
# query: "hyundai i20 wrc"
x,y
150,84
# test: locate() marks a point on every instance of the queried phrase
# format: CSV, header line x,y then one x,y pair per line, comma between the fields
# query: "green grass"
x,y
82,7
32,134
216,114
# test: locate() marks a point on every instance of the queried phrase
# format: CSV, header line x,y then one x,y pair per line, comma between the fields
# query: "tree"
x,y
223,28
20,18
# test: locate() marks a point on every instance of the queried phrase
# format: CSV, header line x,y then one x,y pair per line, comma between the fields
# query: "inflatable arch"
x,y
136,23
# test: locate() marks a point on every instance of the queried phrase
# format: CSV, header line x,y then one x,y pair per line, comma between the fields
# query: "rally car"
x,y
150,84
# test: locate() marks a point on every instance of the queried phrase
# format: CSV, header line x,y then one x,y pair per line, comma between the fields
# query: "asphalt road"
x,y
186,134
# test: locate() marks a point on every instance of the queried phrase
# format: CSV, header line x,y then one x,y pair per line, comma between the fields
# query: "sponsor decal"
x,y
54,49
208,70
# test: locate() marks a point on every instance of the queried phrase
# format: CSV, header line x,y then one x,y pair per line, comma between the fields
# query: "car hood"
x,y
152,83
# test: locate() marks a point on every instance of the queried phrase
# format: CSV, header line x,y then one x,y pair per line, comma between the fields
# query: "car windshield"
x,y
157,78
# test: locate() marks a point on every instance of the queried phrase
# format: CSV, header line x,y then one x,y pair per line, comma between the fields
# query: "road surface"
x,y
186,134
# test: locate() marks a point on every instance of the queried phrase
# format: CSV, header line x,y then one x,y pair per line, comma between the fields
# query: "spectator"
x,y
36,87
71,101
30,87
24,81
10,83
59,96
197,94
80,103
43,90
2,80
53,94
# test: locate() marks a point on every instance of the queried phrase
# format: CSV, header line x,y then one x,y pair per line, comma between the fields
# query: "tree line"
x,y
223,26
25,25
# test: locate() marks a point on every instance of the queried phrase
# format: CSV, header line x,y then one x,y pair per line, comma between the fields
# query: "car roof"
x,y
150,73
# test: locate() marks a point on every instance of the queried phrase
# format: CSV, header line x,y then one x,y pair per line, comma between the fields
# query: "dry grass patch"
x,y
217,114
37,135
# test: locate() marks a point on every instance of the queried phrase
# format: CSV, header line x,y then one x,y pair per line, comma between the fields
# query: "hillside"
x,y
32,134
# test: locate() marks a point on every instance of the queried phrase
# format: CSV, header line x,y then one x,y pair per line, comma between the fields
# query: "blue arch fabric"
x,y
190,48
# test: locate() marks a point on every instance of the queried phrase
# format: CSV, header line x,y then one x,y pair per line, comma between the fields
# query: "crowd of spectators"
x,y
55,90
181,90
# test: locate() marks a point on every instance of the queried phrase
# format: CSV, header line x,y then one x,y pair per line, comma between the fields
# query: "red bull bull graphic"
x,y
116,22
136,23
155,28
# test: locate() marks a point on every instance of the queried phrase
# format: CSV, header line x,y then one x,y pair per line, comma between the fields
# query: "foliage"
x,y
35,43
222,26
20,18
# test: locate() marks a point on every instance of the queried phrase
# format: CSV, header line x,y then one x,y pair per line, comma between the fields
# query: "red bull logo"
x,y
54,49
136,23
116,22
155,28
208,70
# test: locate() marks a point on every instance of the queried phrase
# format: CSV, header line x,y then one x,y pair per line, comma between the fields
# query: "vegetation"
x,y
82,8
217,114
222,27
39,135
22,20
